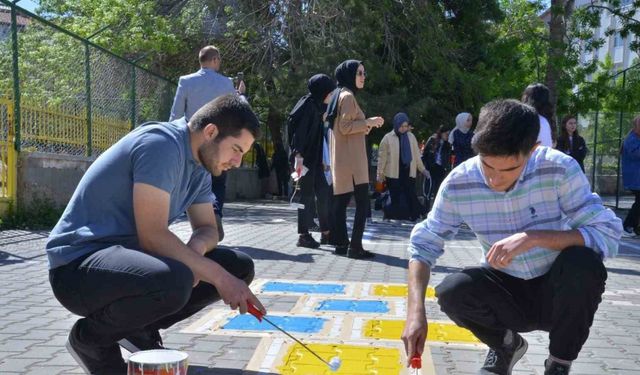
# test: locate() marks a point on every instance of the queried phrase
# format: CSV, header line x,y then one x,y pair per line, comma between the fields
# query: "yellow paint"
x,y
363,360
392,330
397,291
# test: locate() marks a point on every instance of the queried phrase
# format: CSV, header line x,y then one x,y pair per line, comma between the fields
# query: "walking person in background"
x,y
460,138
280,164
538,96
263,169
398,163
631,176
436,157
570,142
306,135
348,127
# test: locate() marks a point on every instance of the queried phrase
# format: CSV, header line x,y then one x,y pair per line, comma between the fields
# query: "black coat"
x,y
429,154
578,150
307,131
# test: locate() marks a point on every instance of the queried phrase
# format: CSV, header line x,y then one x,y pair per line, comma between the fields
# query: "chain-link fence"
x,y
604,131
73,97
60,93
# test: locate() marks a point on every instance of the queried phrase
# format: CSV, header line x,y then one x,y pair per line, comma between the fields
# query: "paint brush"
x,y
416,363
334,363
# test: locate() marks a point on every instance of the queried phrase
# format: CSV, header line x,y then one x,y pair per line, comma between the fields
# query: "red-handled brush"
x,y
334,363
415,363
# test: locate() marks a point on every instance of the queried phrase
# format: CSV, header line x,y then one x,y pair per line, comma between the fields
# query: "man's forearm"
x,y
419,274
204,239
556,239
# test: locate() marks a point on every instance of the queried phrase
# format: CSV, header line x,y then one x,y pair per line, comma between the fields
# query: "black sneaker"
x,y
95,359
555,368
341,249
306,240
142,340
325,239
359,253
501,361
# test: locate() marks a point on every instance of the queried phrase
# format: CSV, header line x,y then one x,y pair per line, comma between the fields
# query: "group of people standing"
x,y
328,140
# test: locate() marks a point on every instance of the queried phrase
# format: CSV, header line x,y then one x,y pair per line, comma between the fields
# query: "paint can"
x,y
158,362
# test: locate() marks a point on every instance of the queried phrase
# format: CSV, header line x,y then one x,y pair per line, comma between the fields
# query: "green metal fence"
x,y
70,96
604,131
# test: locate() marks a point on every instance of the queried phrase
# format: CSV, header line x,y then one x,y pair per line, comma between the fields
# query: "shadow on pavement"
x,y
257,253
8,258
201,370
622,271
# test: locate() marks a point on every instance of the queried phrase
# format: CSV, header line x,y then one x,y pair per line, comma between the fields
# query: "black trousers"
x,y
315,194
404,201
561,302
119,291
340,203
633,217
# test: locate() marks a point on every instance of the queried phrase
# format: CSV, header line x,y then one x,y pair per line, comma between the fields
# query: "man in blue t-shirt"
x,y
114,261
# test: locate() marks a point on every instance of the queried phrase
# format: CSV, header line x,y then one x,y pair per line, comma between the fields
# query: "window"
x,y
617,40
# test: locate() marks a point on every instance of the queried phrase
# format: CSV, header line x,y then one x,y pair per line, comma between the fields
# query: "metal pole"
x,y
87,78
16,78
134,118
624,83
595,151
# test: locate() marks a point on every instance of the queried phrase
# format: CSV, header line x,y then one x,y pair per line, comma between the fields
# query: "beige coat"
x,y
347,145
389,156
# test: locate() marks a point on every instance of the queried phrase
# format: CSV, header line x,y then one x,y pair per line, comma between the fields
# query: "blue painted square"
x,y
277,286
353,306
248,322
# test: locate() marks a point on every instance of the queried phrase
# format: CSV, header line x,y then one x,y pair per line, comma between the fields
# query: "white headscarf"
x,y
461,119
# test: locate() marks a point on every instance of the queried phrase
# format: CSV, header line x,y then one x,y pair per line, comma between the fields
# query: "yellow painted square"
x,y
392,330
397,291
355,360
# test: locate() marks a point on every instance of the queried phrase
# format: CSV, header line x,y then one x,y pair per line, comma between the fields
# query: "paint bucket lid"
x,y
158,356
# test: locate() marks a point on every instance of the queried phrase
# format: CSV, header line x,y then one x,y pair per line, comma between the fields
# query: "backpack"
x,y
294,118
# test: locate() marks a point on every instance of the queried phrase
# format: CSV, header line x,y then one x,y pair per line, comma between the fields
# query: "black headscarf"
x,y
320,85
346,75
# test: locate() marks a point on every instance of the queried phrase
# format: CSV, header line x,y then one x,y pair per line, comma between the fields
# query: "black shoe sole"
x,y
76,357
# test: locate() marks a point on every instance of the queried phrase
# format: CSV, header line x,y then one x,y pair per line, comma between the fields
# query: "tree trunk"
x,y
561,11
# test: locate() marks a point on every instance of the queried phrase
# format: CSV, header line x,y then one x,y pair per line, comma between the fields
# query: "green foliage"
x,y
41,213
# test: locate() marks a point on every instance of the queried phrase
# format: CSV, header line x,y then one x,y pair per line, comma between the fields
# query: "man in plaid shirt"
x,y
543,233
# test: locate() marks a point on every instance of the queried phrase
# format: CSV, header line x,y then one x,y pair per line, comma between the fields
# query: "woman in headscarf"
x,y
398,162
348,127
538,96
460,138
306,134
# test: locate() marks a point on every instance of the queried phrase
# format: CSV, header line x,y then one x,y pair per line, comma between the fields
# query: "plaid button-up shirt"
x,y
552,193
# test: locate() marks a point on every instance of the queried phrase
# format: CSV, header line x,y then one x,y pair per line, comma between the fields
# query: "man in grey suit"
x,y
199,88
194,91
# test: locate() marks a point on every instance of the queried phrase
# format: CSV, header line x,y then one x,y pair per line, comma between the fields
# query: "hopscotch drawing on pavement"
x,y
359,322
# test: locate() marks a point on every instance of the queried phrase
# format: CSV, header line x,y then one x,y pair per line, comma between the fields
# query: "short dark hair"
x,y
208,53
506,128
230,113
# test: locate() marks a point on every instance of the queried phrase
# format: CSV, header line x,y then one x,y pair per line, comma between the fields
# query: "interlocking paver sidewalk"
x,y
33,326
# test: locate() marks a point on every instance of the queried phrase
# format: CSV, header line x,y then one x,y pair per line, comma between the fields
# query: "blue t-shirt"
x,y
100,212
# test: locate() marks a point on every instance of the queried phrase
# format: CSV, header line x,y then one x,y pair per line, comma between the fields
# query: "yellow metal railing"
x,y
8,155
63,129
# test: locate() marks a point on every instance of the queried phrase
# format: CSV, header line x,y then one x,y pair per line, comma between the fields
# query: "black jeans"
x,y
314,189
633,217
340,203
120,291
561,302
